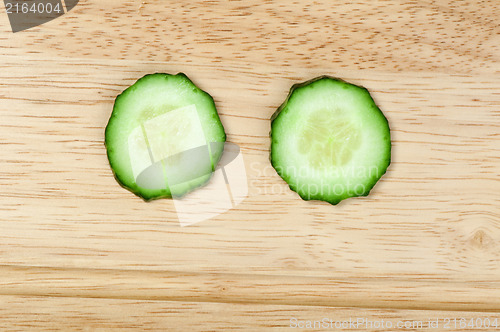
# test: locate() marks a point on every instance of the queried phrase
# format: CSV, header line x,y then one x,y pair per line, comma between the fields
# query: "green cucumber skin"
x,y
145,194
333,200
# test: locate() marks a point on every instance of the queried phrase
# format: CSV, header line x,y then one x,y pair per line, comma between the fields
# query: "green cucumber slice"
x,y
329,140
164,137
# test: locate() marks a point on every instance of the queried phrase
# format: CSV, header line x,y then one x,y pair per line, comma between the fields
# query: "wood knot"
x,y
480,240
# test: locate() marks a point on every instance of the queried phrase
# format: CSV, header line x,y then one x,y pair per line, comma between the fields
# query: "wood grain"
x,y
70,314
427,237
417,35
435,213
374,292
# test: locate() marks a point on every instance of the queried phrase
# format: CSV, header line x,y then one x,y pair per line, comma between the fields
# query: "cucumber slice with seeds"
x,y
329,141
164,137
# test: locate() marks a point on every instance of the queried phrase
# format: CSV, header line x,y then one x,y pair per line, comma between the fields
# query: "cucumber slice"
x,y
164,137
329,141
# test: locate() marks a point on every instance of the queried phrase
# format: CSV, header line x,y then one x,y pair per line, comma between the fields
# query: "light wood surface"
x,y
78,252
88,314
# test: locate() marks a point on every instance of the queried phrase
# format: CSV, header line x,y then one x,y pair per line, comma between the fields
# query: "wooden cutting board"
x,y
78,251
